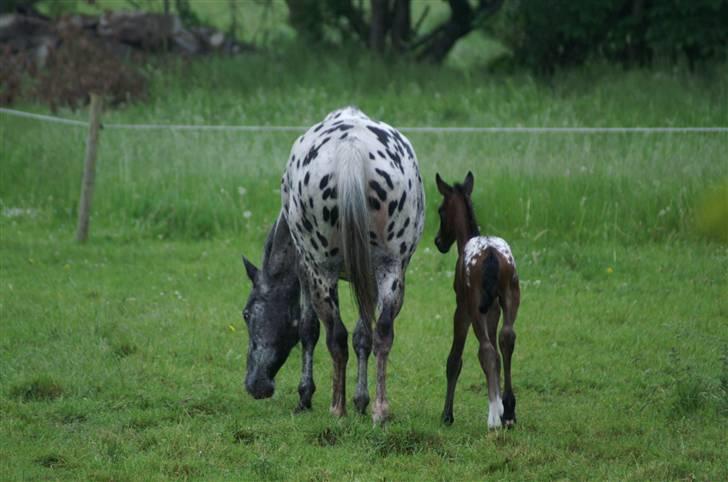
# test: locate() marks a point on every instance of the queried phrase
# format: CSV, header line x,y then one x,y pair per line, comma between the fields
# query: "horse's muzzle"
x,y
260,388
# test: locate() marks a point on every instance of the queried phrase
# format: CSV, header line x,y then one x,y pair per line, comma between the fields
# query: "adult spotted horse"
x,y
352,208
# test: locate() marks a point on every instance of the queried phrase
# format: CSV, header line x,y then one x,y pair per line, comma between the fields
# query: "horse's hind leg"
x,y
308,330
488,356
507,342
325,299
390,285
362,342
454,362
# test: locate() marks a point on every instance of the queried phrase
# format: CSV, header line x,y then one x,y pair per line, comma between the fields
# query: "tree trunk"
x,y
401,25
378,26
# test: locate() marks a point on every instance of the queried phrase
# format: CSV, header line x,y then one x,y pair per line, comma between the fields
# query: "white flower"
x,y
242,190
247,214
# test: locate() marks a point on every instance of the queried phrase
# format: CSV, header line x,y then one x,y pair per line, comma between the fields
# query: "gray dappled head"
x,y
272,311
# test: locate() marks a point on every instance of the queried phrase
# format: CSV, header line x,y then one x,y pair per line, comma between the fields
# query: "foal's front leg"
x,y
308,330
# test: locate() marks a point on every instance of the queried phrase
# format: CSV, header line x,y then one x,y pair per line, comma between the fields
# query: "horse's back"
x,y
395,196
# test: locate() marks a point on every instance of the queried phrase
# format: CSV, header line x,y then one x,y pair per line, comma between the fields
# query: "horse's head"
x,y
455,210
272,311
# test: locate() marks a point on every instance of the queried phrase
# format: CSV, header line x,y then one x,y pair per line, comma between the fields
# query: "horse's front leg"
x,y
362,342
308,330
390,283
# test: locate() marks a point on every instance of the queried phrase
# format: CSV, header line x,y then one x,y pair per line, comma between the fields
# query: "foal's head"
x,y
456,212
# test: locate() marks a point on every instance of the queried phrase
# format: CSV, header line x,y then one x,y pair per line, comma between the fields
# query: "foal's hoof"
x,y
509,410
361,402
380,413
447,419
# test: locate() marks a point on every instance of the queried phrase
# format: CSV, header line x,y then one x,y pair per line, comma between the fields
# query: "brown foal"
x,y
486,282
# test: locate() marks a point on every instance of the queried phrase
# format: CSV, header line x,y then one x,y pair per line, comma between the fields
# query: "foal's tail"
x,y
491,269
352,186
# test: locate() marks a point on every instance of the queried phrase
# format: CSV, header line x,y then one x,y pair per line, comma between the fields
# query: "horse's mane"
x,y
473,229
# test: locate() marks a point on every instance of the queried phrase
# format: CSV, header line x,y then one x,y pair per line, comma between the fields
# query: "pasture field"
x,y
123,359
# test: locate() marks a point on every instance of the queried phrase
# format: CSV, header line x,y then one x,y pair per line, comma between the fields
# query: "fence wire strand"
x,y
415,129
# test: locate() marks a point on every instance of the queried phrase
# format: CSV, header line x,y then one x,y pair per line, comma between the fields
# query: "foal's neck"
x,y
467,227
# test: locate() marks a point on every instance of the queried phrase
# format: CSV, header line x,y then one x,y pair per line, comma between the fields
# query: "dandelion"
x,y
610,270
247,214
242,190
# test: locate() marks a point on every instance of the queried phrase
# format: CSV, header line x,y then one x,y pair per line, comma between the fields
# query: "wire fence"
x,y
421,129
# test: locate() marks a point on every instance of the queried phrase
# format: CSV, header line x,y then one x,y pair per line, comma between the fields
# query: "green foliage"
x,y
548,34
712,212
185,12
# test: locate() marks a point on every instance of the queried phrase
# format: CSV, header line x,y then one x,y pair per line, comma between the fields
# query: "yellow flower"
x,y
610,270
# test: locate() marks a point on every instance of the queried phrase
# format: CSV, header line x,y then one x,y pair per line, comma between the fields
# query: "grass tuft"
x,y
41,388
398,441
52,461
244,437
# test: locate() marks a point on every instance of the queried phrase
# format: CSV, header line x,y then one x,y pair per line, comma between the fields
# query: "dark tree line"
x,y
541,34
388,24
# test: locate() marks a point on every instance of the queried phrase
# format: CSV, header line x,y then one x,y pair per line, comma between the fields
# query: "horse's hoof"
x,y
447,419
361,403
380,413
338,411
302,407
509,424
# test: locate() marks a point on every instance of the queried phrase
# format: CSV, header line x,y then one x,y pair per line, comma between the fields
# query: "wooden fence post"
x,y
89,168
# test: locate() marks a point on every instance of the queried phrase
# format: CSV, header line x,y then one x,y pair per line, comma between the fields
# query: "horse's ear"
x,y
250,269
442,186
468,184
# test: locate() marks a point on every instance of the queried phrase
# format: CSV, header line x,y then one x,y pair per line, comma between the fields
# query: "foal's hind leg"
x,y
507,342
390,285
362,342
488,356
455,362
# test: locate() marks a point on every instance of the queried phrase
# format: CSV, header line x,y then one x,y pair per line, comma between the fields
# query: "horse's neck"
x,y
467,230
281,257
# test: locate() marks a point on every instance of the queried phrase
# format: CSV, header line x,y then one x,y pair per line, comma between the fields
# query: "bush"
x,y
545,34
81,65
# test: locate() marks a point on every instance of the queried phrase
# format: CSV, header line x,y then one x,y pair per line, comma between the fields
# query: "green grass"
x,y
123,359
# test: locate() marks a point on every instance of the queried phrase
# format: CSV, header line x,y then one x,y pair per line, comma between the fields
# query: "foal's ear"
x,y
468,184
442,186
250,269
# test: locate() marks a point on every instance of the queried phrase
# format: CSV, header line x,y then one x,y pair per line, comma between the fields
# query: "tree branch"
x,y
435,45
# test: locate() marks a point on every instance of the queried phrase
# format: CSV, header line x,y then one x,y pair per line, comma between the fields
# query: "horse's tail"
x,y
352,198
491,269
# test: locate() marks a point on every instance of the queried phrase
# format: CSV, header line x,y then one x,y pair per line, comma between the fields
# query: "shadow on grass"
x,y
37,389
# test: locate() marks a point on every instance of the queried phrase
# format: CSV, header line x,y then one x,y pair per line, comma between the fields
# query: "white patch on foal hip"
x,y
478,244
